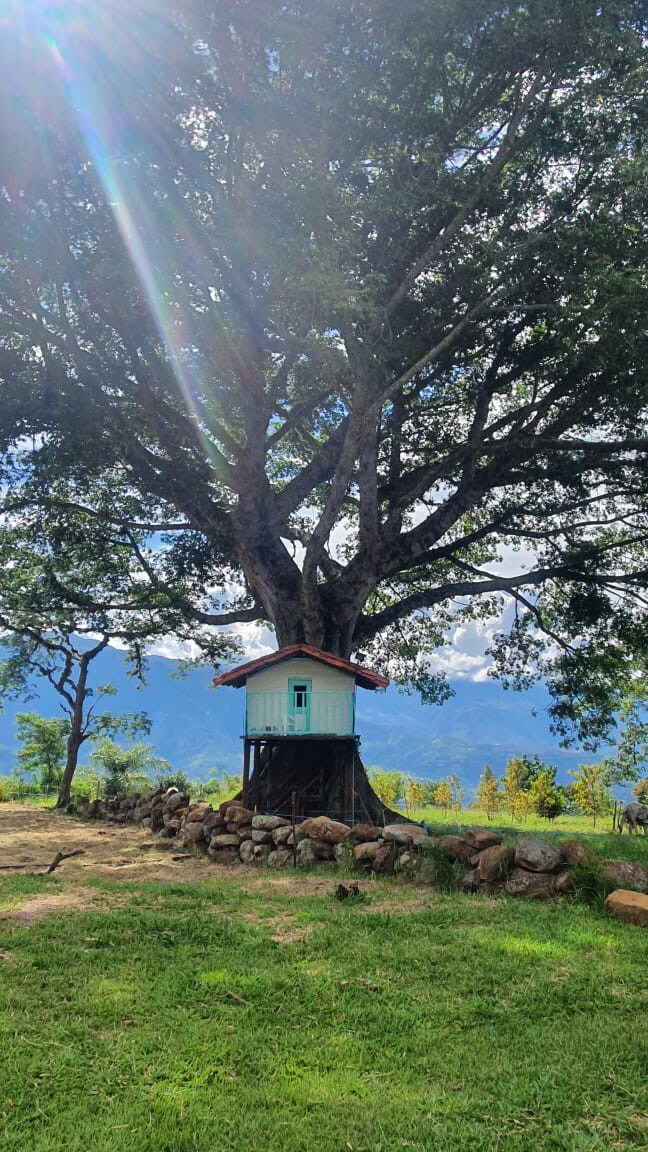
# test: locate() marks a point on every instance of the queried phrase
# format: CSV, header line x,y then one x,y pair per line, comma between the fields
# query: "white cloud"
x,y
464,659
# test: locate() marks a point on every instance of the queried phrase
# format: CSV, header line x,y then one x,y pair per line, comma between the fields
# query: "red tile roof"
x,y
236,677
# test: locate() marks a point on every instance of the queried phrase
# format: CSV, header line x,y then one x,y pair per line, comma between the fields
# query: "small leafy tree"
x,y
123,768
591,790
456,790
524,806
414,795
546,797
631,758
388,786
489,796
220,787
443,795
43,747
430,787
513,782
640,790
173,779
52,564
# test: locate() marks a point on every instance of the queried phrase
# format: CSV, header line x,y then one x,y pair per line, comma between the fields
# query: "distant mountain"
x,y
198,728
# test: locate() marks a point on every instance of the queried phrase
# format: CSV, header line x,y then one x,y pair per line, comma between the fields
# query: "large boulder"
x,y
306,852
174,801
470,880
364,854
533,885
537,855
193,834
494,863
280,858
157,817
197,813
213,820
224,856
481,838
322,828
626,874
227,804
225,840
268,823
456,847
365,833
246,851
403,833
423,841
237,814
632,907
171,826
383,861
260,836
578,855
282,836
311,851
564,883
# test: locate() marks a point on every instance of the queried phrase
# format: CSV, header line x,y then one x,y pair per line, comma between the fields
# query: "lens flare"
x,y
137,225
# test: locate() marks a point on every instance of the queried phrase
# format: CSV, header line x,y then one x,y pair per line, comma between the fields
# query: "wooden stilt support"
x,y
259,801
246,774
348,783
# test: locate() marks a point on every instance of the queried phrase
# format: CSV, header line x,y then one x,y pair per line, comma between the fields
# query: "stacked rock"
x,y
233,834
158,809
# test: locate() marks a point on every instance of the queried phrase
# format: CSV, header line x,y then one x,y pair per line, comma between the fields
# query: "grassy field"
x,y
606,842
258,1012
563,825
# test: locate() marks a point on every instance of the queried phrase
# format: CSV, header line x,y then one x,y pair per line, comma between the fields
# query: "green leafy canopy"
x,y
317,311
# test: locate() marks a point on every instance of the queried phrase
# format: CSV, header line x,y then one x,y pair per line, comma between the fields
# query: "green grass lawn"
x,y
495,1024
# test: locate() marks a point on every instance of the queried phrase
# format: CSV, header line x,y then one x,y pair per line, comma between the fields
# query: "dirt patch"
x,y
397,906
292,933
286,930
31,837
36,908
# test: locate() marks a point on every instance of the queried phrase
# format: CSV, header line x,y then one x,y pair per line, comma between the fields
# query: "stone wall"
x,y
478,859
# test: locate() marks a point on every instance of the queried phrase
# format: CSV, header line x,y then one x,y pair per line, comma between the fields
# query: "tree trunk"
x,y
76,736
327,776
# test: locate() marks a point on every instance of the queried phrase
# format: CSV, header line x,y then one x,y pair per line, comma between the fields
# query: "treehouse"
x,y
300,735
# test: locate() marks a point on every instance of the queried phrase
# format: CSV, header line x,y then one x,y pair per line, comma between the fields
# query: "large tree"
x,y
344,301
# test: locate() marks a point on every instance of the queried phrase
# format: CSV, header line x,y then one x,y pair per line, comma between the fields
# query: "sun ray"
x,y
139,228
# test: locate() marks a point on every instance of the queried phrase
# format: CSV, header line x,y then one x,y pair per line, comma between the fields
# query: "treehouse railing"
x,y
308,714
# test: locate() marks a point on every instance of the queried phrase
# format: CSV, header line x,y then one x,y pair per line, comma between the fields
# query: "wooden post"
x,y
614,818
293,811
246,773
257,772
348,784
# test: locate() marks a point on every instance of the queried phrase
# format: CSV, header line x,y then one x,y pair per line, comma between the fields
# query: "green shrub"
x,y
173,779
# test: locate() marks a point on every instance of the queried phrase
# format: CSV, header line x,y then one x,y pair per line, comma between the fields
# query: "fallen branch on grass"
x,y
61,856
58,859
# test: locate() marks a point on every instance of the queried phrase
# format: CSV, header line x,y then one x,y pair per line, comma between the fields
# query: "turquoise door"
x,y
299,705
